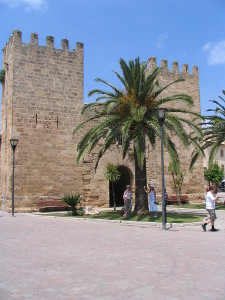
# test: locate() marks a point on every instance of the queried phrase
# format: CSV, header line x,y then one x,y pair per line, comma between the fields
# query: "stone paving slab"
x,y
64,258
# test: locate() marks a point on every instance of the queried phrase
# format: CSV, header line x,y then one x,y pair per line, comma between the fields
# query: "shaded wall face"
x,y
120,186
6,124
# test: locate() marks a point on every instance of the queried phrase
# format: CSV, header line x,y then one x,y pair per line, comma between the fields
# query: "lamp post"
x,y
161,118
13,144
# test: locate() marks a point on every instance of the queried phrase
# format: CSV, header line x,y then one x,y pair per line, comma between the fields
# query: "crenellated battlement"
x,y
16,41
42,100
152,63
34,39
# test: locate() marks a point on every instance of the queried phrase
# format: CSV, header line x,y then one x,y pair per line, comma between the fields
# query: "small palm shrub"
x,y
73,201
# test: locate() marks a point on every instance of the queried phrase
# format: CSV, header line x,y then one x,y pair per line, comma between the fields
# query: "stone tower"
x,y
42,99
193,182
96,188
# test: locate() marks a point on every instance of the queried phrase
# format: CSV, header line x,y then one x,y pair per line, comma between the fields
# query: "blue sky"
x,y
186,31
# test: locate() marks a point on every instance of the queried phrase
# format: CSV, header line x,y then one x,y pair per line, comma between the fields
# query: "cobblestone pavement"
x,y
62,258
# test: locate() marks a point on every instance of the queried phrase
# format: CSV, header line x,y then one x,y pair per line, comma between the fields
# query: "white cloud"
x,y
28,4
216,52
160,42
206,46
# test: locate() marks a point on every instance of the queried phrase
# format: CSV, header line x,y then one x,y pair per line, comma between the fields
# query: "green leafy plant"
x,y
214,174
2,76
73,201
213,129
112,174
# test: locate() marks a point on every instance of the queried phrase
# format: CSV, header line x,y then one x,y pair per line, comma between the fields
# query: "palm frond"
x,y
132,113
178,97
171,148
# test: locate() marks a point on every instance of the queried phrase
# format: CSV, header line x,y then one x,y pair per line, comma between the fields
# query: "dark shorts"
x,y
212,214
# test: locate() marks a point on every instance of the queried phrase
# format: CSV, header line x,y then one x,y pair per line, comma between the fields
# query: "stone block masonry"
x,y
96,188
41,102
193,182
42,98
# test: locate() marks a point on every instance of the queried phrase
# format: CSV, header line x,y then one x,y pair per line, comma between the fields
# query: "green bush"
x,y
73,201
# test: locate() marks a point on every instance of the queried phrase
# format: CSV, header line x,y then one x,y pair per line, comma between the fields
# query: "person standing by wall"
x,y
152,198
210,200
127,201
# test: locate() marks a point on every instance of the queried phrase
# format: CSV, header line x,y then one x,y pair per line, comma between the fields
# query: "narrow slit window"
x,y
36,119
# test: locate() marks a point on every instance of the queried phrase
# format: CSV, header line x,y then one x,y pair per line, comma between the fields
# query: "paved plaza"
x,y
63,258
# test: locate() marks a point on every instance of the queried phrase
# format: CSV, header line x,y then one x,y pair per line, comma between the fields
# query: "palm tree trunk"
x,y
141,197
179,196
114,198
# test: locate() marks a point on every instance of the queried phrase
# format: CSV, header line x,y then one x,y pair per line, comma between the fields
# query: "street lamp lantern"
x,y
161,113
13,144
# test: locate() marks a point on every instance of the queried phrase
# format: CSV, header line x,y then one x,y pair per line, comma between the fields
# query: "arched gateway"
x,y
44,176
120,186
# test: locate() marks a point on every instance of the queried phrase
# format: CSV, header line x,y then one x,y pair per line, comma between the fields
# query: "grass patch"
x,y
115,215
219,206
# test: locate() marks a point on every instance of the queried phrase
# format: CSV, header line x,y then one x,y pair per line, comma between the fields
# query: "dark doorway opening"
x,y
120,186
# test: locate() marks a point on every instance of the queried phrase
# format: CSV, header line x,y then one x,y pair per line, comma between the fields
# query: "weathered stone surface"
x,y
90,211
42,100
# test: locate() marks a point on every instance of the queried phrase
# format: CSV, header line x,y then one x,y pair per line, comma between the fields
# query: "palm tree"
x,y
112,174
131,113
213,131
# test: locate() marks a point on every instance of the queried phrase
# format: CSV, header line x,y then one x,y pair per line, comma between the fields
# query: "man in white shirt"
x,y
210,200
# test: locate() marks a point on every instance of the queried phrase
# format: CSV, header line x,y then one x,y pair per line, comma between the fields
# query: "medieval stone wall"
x,y
42,98
41,102
96,189
193,182
6,122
